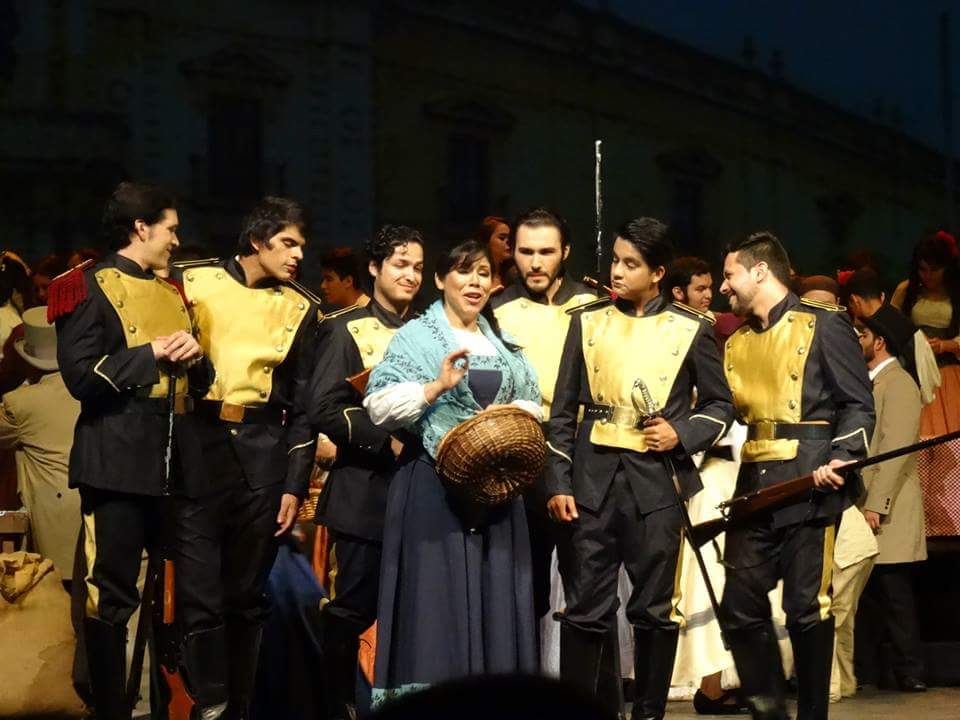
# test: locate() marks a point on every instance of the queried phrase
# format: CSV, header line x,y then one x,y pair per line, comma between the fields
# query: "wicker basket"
x,y
308,508
493,457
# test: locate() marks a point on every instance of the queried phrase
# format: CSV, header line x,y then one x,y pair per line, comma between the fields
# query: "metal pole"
x,y
598,204
947,110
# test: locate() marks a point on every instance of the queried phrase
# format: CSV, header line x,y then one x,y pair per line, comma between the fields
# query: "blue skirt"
x,y
453,601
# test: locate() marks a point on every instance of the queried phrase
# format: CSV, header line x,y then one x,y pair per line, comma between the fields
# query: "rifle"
x,y
740,510
649,410
180,704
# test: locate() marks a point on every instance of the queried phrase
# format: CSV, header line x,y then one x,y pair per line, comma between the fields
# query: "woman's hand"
x,y
940,347
450,374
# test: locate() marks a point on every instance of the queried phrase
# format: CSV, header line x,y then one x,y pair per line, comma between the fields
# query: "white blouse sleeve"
x,y
396,405
531,407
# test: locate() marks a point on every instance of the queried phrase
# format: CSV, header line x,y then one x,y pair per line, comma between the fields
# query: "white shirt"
x,y
876,371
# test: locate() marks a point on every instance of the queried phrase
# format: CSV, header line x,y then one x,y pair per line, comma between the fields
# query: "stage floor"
x,y
935,704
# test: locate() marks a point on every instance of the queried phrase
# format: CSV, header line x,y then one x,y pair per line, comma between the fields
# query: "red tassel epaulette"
x,y
66,291
179,286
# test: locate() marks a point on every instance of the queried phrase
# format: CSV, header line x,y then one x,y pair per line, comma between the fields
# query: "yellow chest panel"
x,y
765,373
541,331
372,338
246,332
148,309
618,350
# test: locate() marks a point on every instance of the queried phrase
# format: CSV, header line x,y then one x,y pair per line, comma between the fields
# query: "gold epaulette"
x,y
341,311
181,264
599,302
823,305
693,311
308,294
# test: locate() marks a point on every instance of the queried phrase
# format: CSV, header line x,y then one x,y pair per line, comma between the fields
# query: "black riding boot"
x,y
762,685
205,671
243,655
339,643
653,655
610,677
580,653
813,657
107,666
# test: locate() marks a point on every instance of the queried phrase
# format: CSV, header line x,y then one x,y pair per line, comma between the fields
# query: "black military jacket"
x,y
762,366
261,345
104,354
674,352
354,497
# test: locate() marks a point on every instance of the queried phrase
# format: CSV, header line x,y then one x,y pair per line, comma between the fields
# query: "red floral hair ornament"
x,y
843,277
950,241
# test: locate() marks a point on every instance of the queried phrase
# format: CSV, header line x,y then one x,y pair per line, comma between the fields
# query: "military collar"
x,y
652,307
236,271
776,312
131,267
568,288
389,319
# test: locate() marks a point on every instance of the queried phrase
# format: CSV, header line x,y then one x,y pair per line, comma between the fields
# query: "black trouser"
x,y
354,580
888,611
543,539
225,547
592,548
759,554
117,528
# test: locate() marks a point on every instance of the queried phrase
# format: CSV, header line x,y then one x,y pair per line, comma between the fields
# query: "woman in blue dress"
x,y
456,595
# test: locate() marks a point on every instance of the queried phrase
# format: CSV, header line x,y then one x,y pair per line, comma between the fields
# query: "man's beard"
x,y
551,279
869,354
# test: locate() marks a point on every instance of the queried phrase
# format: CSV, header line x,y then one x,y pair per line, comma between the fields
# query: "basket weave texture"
x,y
493,457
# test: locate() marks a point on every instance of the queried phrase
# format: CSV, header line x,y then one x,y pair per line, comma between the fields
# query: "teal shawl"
x,y
415,354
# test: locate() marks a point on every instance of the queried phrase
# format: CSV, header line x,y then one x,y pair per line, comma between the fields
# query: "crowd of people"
x,y
189,408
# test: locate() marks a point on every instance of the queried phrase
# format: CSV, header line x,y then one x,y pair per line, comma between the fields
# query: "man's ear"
x,y
677,294
566,252
658,274
373,269
140,229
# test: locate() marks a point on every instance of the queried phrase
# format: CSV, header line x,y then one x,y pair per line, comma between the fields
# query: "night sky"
x,y
849,53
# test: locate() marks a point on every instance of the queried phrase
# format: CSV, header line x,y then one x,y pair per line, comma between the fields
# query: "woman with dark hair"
x,y
494,232
456,590
931,298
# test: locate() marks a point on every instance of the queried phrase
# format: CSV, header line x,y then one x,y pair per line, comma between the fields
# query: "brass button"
x,y
300,306
280,348
603,421
670,318
810,324
376,326
132,328
99,279
369,350
609,311
789,318
590,342
794,376
219,276
266,369
189,277
289,328
523,304
596,368
233,431
119,303
663,378
355,330
792,404
263,393
763,471
801,350
676,351
729,368
600,396
116,274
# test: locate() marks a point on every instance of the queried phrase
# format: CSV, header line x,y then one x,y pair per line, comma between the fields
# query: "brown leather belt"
x,y
613,414
789,431
242,414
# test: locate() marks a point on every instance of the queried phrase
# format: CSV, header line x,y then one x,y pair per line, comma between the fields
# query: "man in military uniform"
x,y
354,498
118,324
609,479
800,384
258,329
534,311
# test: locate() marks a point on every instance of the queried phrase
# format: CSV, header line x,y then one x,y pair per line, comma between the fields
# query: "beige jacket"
x,y
37,421
893,489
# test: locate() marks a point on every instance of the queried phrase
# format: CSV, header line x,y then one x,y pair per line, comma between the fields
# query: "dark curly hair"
x,y
267,218
132,201
388,238
937,251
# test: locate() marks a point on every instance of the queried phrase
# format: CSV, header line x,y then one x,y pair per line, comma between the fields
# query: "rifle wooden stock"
x,y
360,380
740,510
169,592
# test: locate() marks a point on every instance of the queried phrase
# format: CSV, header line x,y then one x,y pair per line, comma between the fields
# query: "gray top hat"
x,y
39,343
